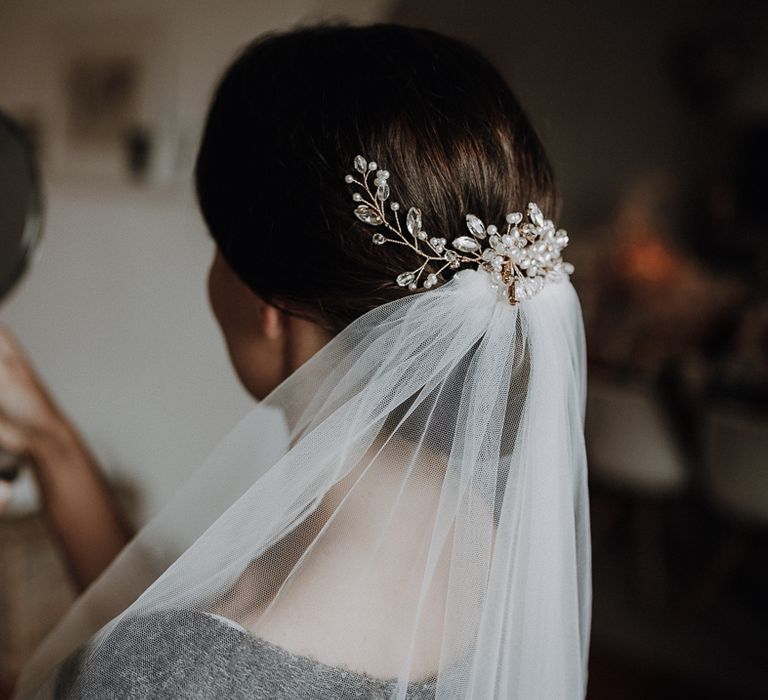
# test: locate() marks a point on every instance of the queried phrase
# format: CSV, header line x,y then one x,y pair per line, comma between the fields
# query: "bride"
x,y
404,514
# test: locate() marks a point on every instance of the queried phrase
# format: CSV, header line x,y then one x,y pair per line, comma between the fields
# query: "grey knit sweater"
x,y
185,654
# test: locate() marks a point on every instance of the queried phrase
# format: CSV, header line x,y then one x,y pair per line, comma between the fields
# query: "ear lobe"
x,y
271,322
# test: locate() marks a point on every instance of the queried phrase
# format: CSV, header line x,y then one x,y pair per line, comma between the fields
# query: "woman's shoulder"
x,y
166,653
183,653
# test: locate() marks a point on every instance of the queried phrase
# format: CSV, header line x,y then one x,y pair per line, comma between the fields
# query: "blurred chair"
x,y
736,485
736,474
631,445
634,453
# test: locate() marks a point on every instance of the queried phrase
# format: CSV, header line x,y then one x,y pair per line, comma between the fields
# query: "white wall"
x,y
114,312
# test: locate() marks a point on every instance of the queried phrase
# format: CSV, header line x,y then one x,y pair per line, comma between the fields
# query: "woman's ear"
x,y
272,322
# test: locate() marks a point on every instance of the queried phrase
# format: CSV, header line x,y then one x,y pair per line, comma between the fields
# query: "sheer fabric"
x,y
410,504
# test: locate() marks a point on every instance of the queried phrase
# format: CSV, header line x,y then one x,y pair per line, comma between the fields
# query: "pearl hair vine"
x,y
520,259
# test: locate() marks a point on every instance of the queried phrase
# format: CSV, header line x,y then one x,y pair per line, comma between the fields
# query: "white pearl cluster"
x,y
519,261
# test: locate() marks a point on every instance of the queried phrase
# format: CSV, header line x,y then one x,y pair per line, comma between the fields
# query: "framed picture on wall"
x,y
114,115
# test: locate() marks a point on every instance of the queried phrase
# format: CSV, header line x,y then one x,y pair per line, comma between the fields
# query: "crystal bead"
x,y
422,235
360,164
488,254
404,279
475,226
368,215
382,174
465,244
437,244
413,220
379,239
383,192
535,215
514,218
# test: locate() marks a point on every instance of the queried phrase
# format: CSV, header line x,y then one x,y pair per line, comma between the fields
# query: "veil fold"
x,y
410,504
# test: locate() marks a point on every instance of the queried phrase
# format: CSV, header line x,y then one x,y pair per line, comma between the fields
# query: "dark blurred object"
x,y
729,232
138,147
12,471
102,97
707,66
20,203
751,176
732,208
9,466
20,223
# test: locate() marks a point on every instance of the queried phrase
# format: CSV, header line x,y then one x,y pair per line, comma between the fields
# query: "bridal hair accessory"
x,y
519,260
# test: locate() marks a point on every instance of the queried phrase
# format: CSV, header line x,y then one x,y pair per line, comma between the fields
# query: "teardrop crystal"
x,y
475,226
382,192
378,239
413,221
465,244
361,165
405,279
535,215
368,215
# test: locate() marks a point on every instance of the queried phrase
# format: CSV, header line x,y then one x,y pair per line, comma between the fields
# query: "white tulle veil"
x,y
415,495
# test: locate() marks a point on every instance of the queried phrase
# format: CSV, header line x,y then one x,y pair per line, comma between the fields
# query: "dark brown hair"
x,y
286,122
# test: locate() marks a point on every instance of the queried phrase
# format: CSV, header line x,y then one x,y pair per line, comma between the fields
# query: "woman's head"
x,y
288,118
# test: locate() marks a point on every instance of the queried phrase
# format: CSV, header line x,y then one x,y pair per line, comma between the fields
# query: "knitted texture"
x,y
185,654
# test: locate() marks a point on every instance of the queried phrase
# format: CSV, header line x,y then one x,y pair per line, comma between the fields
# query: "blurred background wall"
x,y
655,115
114,313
